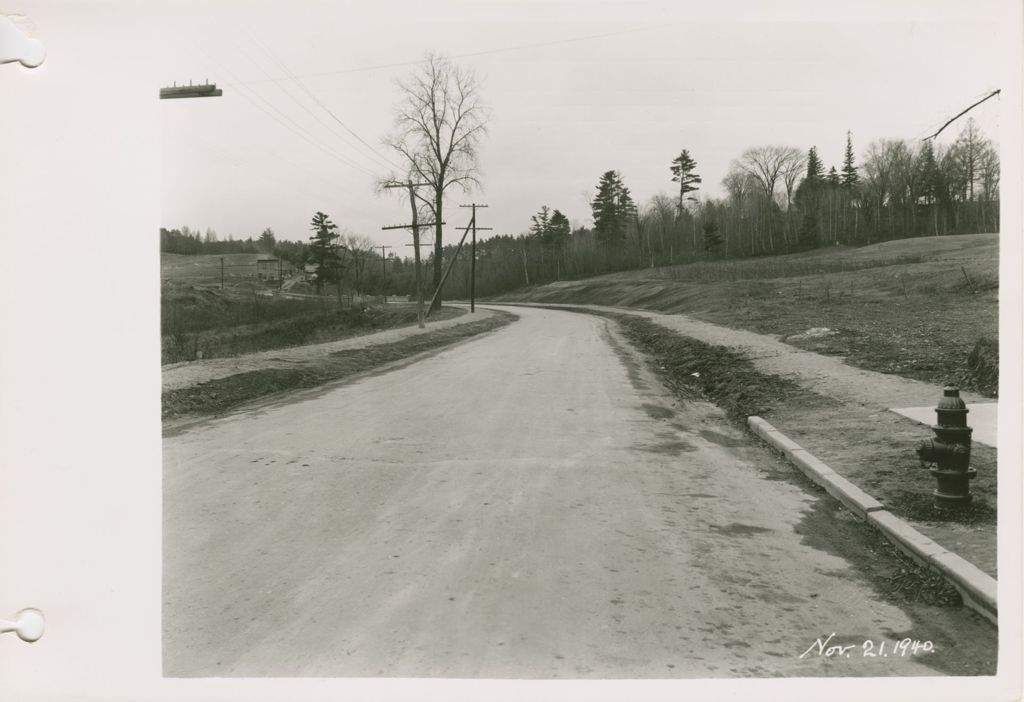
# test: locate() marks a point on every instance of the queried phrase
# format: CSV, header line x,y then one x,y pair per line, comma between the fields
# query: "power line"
x,y
485,52
383,160
281,85
298,130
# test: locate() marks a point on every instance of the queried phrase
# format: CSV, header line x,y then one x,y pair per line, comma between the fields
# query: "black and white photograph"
x,y
493,350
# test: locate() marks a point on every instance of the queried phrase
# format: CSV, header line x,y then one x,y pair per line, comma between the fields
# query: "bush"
x,y
983,367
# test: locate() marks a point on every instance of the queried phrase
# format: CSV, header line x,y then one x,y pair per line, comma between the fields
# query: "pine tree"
x,y
815,169
832,178
611,208
932,183
541,223
712,239
267,241
849,177
808,200
323,250
559,226
682,173
558,235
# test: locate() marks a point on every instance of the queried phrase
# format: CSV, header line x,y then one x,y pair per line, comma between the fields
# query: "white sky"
x,y
562,113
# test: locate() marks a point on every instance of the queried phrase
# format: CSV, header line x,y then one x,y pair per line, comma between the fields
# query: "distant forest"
x,y
779,199
193,242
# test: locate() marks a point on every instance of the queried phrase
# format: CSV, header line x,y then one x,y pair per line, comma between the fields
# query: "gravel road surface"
x,y
529,504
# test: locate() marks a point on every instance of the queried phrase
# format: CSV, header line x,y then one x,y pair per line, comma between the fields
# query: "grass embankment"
x,y
865,451
200,322
223,394
924,308
870,450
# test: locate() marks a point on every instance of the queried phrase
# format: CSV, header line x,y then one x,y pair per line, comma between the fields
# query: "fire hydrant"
x,y
949,453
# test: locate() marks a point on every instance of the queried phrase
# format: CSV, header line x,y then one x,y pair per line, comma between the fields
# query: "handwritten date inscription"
x,y
824,648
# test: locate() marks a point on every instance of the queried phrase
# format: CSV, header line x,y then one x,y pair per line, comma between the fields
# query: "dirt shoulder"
x,y
182,375
208,388
921,308
837,412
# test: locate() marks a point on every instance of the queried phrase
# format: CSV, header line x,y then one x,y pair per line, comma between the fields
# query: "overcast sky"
x,y
573,93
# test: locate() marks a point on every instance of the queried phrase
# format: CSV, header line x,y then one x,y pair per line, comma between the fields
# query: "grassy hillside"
x,y
202,321
205,269
904,307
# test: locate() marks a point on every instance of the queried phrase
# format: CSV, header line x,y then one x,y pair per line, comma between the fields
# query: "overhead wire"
x,y
484,52
284,120
381,158
352,148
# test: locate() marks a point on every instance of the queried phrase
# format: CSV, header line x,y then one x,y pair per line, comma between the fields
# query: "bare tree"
x,y
360,249
737,184
765,165
989,171
793,165
882,164
439,124
662,214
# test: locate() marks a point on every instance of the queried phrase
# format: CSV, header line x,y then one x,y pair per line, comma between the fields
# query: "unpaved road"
x,y
530,503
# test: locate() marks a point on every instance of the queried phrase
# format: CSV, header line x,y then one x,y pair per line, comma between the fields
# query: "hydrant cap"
x,y
951,399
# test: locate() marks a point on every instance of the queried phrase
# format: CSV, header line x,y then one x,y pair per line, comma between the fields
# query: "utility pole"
x,y
384,272
451,264
415,226
221,272
472,260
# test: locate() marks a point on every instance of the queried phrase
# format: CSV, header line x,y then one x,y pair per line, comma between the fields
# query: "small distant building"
x,y
269,269
309,271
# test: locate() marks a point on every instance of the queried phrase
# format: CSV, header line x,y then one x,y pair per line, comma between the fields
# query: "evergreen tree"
x,y
815,169
611,207
559,226
541,223
931,182
849,177
323,250
712,239
267,241
807,235
682,173
832,178
558,233
808,199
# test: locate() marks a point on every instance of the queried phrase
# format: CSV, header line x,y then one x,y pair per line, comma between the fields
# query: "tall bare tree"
x,y
793,166
765,164
439,123
360,248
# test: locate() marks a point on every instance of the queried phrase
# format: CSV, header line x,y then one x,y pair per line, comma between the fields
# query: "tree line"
x,y
778,199
192,242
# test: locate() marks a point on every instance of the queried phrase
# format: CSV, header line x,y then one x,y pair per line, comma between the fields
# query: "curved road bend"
x,y
530,504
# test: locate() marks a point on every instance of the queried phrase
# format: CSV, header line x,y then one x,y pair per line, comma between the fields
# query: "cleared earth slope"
x,y
913,307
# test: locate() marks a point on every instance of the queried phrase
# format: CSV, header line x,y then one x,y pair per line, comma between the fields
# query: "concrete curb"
x,y
977,588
